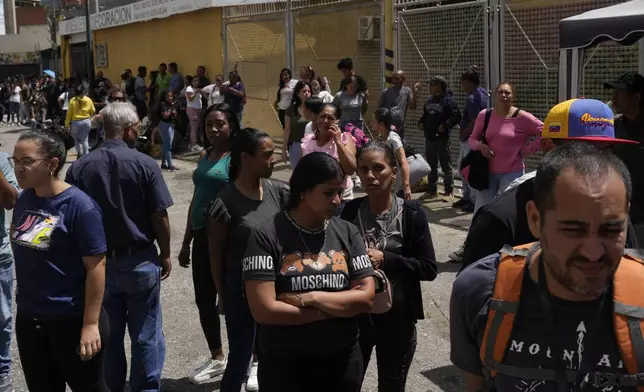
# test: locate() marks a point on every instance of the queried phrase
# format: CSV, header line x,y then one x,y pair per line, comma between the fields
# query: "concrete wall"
x,y
189,39
31,38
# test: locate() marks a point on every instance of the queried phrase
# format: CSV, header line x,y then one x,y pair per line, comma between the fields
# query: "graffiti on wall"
x,y
20,58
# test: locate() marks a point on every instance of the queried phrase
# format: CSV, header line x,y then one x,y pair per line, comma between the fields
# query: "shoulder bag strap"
x,y
488,114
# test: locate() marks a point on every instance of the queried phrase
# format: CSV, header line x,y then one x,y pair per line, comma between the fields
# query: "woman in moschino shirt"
x,y
307,275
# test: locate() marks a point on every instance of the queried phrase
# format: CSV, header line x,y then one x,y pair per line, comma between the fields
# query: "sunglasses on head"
x,y
116,99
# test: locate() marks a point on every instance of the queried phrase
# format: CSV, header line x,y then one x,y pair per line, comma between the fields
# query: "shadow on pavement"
x,y
448,266
182,385
448,378
440,213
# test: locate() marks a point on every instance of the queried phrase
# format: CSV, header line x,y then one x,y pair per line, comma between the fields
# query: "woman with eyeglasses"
x,y
114,95
307,275
59,249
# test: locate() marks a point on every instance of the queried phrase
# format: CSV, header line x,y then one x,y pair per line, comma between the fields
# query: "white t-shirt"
x,y
65,97
286,95
394,141
325,96
15,96
308,129
214,94
196,102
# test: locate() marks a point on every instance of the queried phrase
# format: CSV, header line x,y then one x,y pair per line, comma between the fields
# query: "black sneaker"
x,y
462,203
164,167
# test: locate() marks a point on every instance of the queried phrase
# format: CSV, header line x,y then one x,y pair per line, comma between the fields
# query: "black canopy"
x,y
623,23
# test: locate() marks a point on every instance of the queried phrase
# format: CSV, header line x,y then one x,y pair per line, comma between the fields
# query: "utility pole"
x,y
90,50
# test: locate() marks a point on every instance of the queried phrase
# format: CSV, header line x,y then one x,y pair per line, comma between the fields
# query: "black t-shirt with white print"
x,y
301,262
530,345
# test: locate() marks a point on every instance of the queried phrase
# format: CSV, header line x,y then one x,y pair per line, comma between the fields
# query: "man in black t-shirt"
x,y
564,321
345,66
504,221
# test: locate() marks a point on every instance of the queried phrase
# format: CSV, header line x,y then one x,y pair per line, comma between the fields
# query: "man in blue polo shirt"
x,y
130,189
8,195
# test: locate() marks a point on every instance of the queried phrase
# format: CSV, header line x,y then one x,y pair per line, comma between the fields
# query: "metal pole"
x,y
90,50
290,57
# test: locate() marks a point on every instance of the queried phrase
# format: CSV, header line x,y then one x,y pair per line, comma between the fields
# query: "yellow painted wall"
x,y
189,39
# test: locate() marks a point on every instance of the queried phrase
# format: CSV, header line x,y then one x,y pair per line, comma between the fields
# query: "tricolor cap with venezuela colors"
x,y
581,119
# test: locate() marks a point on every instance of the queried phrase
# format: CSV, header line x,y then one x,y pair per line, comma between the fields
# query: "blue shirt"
x,y
10,176
476,101
129,187
50,238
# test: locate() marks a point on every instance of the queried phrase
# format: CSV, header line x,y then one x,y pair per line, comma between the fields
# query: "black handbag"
x,y
475,169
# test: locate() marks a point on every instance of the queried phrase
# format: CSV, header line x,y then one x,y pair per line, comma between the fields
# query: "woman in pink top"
x,y
508,137
331,140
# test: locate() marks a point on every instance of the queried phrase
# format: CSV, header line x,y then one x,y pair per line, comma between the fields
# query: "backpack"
x,y
129,87
628,320
357,133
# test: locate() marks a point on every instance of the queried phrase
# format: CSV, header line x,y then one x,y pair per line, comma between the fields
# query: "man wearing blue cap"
x,y
504,221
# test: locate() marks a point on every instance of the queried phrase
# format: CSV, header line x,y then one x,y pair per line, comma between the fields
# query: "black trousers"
x,y
338,372
205,290
50,359
395,343
437,151
281,114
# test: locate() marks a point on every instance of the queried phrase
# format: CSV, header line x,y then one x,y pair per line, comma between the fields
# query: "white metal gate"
x,y
441,40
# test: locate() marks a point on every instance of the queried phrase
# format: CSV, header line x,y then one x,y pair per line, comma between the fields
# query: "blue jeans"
x,y
498,183
166,131
6,294
469,194
294,153
240,326
133,285
80,132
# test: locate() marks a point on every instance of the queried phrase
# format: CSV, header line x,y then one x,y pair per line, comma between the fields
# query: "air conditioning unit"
x,y
368,28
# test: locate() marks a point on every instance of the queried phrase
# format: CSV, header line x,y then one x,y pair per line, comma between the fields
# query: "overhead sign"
x,y
143,11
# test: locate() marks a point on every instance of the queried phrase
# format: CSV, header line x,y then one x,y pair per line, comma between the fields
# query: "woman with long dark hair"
x,y
59,249
284,94
250,198
295,124
166,112
235,94
307,276
78,119
398,242
209,178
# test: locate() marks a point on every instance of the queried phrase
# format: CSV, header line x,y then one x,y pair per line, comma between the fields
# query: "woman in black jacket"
x,y
398,241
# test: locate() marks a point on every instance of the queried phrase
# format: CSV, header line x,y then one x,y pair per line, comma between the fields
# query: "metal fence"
x,y
262,39
512,40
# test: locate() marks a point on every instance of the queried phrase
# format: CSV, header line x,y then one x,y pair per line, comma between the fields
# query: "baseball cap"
x,y
629,81
581,119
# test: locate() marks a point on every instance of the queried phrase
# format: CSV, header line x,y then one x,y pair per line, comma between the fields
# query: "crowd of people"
x,y
306,272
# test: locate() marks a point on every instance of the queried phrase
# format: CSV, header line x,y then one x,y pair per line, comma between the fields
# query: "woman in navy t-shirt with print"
x,y
59,249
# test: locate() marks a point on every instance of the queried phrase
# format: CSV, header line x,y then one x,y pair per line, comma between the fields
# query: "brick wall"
x,y
29,16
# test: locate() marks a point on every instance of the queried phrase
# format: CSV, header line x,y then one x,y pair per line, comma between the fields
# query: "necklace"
x,y
301,230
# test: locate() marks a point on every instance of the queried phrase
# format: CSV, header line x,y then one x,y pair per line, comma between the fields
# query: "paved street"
x,y
186,346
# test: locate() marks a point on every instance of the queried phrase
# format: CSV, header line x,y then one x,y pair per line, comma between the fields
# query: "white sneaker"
x,y
252,384
211,369
197,148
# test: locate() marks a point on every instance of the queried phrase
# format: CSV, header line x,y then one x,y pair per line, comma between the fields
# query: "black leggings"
x,y
338,372
395,341
49,355
281,114
205,290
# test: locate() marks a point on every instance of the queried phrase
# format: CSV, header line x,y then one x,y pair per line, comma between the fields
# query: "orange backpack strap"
x,y
503,306
628,317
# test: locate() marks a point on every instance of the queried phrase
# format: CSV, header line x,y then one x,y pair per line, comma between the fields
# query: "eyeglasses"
x,y
24,162
116,99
